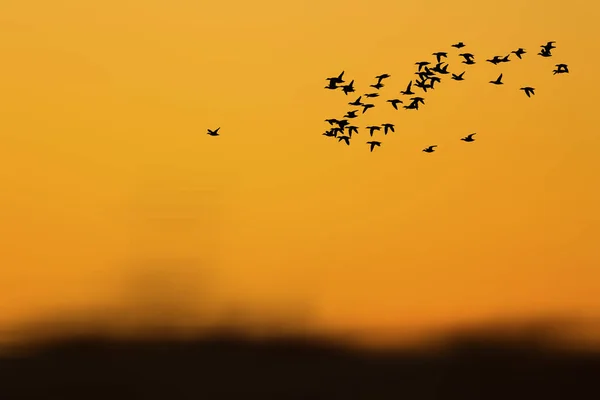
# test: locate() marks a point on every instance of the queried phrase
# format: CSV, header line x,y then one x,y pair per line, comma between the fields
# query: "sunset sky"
x,y
114,198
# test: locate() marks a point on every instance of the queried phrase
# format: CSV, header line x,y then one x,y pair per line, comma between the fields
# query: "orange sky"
x,y
105,163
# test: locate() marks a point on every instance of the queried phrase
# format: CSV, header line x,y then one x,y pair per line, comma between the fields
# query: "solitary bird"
x,y
213,133
458,77
497,81
356,102
459,45
349,88
373,129
528,90
367,106
439,55
429,149
469,138
387,127
394,102
337,79
561,69
407,92
345,139
351,114
373,144
519,52
372,95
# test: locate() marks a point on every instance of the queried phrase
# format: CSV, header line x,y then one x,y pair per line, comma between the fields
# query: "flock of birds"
x,y
428,76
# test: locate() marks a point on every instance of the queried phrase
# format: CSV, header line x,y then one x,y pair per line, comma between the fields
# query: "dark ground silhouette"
x,y
226,367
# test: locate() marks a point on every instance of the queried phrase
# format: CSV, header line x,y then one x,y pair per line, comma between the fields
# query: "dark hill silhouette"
x,y
229,367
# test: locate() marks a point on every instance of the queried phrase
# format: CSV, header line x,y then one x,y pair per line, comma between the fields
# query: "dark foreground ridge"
x,y
229,368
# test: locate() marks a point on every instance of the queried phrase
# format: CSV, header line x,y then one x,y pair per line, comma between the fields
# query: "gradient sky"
x,y
112,194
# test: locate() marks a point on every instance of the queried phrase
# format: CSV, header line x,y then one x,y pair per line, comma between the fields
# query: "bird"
x,y
330,133
342,123
356,102
351,114
519,52
496,60
528,90
429,149
332,121
458,77
337,79
213,133
382,77
421,64
407,92
373,128
469,138
412,106
332,86
469,58
548,46
459,45
373,144
352,129
418,100
394,102
561,69
439,55
372,95
348,88
498,81
387,127
469,61
378,85
345,139
505,58
545,53
367,106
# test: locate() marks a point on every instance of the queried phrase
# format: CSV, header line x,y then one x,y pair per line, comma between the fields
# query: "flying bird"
x,y
351,114
429,149
519,52
356,102
349,88
561,69
545,53
497,81
407,92
439,55
372,95
367,106
213,133
332,86
548,46
469,138
330,133
496,60
421,64
378,85
505,58
458,77
337,79
387,127
469,58
373,129
345,139
394,102
373,144
352,129
332,121
382,77
528,90
459,45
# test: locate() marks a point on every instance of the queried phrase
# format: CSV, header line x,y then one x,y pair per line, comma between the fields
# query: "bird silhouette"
x,y
373,144
349,88
387,127
407,92
545,53
370,95
332,86
345,139
367,106
548,46
498,81
439,55
351,114
496,60
528,90
561,69
378,85
430,149
332,121
382,77
330,133
469,58
469,138
421,64
337,79
213,133
373,128
505,59
394,102
356,102
352,129
459,45
342,123
519,52
458,77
